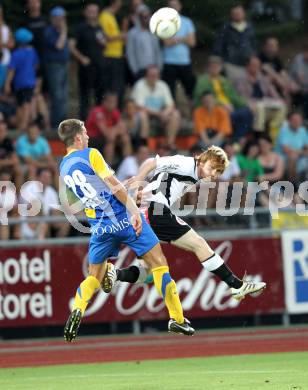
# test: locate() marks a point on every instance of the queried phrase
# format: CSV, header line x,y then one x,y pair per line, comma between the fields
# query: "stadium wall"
x,y
37,284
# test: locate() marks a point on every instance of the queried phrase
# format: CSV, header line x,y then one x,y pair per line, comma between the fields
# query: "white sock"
x,y
214,262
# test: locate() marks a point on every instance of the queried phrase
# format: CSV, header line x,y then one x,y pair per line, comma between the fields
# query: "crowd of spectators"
x,y
246,100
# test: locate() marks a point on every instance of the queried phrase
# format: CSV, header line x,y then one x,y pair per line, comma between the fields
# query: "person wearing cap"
x,y
56,57
225,95
22,76
142,49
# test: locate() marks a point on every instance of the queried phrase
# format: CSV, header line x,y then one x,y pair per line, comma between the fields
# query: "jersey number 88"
x,y
78,179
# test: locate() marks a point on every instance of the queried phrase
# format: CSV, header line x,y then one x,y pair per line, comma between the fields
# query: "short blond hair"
x,y
215,154
68,129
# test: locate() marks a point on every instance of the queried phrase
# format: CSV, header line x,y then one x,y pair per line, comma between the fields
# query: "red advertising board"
x,y
37,284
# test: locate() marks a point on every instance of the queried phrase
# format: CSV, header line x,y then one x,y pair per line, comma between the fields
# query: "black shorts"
x,y
167,226
24,95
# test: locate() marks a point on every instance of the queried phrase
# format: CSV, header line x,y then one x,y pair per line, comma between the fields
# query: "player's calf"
x,y
84,293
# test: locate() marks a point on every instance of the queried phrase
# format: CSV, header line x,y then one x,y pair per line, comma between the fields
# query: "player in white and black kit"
x,y
171,178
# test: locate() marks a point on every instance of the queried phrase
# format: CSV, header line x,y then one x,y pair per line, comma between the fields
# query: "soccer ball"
x,y
165,23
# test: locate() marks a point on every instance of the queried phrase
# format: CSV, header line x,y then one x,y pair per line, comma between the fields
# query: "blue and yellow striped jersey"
x,y
83,171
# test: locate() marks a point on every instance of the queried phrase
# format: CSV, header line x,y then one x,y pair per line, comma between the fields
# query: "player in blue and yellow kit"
x,y
114,219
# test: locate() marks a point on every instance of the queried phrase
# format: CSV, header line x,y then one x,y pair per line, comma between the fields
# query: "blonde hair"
x,y
68,129
215,154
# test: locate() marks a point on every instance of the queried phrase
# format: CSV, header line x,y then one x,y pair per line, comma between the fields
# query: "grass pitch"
x,y
278,371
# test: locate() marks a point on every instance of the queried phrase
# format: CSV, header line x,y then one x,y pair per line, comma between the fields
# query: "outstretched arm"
x,y
148,166
118,190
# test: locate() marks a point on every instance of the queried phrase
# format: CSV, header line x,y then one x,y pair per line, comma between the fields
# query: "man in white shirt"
x,y
131,164
41,192
153,96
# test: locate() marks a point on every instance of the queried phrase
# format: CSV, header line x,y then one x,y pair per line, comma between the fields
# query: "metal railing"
x,y
181,213
244,226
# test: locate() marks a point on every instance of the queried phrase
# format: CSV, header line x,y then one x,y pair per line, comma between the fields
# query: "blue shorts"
x,y
107,237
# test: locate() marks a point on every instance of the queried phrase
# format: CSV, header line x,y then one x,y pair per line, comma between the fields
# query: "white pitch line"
x,y
129,375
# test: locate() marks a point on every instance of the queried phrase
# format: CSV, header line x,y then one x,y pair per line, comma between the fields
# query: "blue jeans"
x,y
242,119
57,78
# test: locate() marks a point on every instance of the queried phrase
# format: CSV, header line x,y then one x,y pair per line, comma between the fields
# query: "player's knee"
x,y
97,270
155,258
158,261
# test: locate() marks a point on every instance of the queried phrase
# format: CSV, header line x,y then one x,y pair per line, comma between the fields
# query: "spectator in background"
x,y
226,96
32,230
273,67
8,109
43,191
133,18
6,45
211,121
251,168
34,151
176,54
22,76
236,41
136,122
56,55
36,23
299,73
271,161
8,201
142,48
153,97
272,164
292,145
231,175
87,47
114,50
262,97
129,167
233,171
8,157
163,150
107,129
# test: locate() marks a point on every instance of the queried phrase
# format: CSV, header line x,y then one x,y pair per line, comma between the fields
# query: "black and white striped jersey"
x,y
172,177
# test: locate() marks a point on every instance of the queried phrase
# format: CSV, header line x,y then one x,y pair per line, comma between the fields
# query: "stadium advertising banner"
x,y
295,260
37,285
